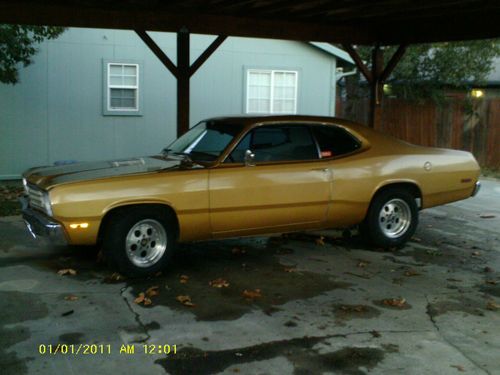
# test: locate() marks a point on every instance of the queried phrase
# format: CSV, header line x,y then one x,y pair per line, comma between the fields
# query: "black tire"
x,y
380,229
115,234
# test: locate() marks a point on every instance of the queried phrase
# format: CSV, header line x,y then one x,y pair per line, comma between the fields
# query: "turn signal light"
x,y
79,225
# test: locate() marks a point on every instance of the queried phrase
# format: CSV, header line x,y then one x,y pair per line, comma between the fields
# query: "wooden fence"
x,y
450,125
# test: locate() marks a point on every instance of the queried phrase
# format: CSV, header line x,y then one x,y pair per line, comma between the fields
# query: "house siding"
x,y
56,111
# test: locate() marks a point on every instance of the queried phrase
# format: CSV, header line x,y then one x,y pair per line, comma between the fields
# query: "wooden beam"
x,y
376,88
359,63
183,75
207,53
393,62
334,27
157,51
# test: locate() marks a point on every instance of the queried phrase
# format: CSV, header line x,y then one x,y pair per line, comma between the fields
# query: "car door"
x,y
289,187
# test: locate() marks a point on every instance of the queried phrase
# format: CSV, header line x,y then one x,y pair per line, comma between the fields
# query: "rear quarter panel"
x,y
357,178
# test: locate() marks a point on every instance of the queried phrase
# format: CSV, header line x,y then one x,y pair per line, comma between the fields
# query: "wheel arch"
x,y
116,210
408,185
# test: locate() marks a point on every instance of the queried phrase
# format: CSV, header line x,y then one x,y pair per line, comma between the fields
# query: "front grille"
x,y
35,196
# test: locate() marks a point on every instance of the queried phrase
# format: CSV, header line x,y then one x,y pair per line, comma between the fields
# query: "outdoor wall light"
x,y
477,93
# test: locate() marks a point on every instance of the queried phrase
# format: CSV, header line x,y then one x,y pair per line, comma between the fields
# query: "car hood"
x,y
48,177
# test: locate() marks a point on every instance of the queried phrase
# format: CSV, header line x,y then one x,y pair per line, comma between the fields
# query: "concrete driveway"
x,y
322,306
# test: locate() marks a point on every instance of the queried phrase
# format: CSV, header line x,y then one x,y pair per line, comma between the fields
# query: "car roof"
x,y
252,119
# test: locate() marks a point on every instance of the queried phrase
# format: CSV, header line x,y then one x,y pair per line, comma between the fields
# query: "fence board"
x,y
447,126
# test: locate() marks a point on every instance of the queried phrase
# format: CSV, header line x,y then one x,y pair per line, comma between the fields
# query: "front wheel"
x,y
392,218
139,241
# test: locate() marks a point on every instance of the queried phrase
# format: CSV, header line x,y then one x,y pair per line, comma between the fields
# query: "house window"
x,y
271,91
122,94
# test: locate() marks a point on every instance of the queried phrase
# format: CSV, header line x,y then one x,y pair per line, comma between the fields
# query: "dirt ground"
x,y
299,304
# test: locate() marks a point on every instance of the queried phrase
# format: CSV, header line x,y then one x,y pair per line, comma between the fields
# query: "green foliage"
x,y
17,45
426,70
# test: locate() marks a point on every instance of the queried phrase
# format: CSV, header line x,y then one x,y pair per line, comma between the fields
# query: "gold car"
x,y
243,176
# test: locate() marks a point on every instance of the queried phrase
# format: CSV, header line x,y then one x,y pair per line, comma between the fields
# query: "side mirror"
x,y
249,158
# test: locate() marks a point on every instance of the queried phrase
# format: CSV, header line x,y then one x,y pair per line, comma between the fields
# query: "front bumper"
x,y
42,227
476,189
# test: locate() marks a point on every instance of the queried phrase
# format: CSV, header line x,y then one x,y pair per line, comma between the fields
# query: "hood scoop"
x,y
128,163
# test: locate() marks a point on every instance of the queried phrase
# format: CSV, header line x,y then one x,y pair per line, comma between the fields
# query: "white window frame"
x,y
109,86
271,104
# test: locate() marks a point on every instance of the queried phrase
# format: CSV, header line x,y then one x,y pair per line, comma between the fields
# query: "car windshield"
x,y
205,141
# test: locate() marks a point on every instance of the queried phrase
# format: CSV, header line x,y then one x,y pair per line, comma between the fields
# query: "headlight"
x,y
46,204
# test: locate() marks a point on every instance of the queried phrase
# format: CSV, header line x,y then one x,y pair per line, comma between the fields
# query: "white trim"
x,y
126,87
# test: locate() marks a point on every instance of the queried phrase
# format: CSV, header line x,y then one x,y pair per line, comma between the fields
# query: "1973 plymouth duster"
x,y
242,176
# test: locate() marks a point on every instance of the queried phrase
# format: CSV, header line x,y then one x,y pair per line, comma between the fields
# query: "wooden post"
x,y
183,75
376,87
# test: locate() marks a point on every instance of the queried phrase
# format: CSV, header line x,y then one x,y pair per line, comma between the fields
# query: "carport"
x,y
297,304
347,22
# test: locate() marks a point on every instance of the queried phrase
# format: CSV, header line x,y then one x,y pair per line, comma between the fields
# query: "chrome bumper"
x,y
476,189
42,227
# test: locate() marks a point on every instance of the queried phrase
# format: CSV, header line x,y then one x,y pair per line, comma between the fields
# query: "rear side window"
x,y
334,141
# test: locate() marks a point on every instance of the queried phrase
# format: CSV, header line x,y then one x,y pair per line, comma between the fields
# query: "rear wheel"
x,y
139,241
392,218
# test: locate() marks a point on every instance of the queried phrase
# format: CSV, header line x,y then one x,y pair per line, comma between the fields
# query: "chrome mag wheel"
x,y
394,218
146,243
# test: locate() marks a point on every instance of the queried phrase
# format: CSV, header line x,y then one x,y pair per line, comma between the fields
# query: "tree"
x,y
427,70
17,45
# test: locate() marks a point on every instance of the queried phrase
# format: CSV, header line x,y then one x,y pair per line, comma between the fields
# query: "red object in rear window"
x,y
326,154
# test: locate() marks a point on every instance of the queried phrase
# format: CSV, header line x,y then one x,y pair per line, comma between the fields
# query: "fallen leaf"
x,y
141,298
252,294
185,300
354,308
290,269
454,280
458,367
320,241
375,333
69,312
476,254
153,291
491,282
487,216
411,272
115,277
491,305
184,279
67,271
218,283
395,302
71,297
416,239
362,264
488,269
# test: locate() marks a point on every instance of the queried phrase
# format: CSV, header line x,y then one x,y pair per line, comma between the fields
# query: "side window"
x,y
334,141
277,143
